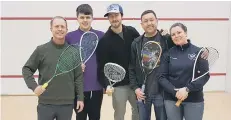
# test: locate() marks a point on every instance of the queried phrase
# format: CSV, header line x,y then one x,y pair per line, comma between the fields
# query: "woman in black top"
x,y
176,72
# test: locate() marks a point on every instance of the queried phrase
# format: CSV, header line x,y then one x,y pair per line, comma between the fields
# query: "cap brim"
x,y
113,11
106,15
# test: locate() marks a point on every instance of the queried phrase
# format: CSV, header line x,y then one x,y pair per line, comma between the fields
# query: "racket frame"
x,y
80,48
56,69
193,73
146,74
109,79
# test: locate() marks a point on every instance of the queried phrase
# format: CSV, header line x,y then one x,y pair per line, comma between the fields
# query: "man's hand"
x,y
182,94
139,94
39,90
109,90
83,66
205,54
164,32
80,106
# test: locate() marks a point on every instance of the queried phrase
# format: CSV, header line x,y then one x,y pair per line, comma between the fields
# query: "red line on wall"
x,y
218,74
36,76
74,18
15,76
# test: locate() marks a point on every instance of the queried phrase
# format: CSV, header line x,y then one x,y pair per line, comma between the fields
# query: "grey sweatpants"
x,y
120,96
54,112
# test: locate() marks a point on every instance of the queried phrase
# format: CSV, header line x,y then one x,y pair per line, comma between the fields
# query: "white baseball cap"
x,y
114,8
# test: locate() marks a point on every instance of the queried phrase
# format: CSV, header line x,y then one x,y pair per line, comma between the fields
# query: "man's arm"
x,y
102,59
131,69
167,38
30,68
79,83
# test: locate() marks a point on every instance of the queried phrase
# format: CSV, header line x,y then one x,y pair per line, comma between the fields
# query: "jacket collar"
x,y
142,36
185,46
112,32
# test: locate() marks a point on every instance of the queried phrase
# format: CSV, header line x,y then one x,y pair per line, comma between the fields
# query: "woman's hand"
x,y
182,94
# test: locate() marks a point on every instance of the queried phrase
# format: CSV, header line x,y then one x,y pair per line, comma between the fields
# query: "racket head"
x,y
88,42
69,59
205,59
114,72
150,55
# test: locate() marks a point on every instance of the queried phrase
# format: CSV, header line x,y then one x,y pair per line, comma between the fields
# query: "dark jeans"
x,y
54,112
158,102
145,108
187,110
92,105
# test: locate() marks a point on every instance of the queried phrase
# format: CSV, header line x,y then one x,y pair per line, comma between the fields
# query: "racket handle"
x,y
143,88
178,103
45,85
109,93
109,90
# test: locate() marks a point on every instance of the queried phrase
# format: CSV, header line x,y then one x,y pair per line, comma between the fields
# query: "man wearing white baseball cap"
x,y
115,46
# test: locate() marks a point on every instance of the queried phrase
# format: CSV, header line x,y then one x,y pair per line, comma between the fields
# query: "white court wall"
x,y
208,25
228,76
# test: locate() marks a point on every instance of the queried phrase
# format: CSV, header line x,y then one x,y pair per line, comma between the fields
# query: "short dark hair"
x,y
146,12
84,9
57,17
181,25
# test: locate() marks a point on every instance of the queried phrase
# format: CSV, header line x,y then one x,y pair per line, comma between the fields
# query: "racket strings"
x,y
114,73
204,64
88,45
150,55
69,59
212,56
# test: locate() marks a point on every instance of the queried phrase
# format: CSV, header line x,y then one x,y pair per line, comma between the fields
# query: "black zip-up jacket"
x,y
176,72
112,48
136,73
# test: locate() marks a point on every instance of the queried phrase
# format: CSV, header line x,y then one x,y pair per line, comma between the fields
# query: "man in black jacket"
x,y
115,46
153,92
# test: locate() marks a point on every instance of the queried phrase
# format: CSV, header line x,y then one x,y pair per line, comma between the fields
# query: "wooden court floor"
x,y
217,107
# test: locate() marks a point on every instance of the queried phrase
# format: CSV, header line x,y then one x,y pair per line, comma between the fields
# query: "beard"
x,y
116,24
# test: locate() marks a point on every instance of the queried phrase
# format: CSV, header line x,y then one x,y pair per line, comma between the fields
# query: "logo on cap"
x,y
114,8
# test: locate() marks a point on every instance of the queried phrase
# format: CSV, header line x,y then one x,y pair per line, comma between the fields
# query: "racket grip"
x,y
109,90
45,85
143,88
178,103
109,93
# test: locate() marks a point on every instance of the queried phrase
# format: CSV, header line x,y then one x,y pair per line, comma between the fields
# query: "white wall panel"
x,y
20,37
